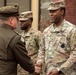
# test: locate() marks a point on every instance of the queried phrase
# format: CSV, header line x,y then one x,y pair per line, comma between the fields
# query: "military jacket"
x,y
59,48
32,40
12,52
32,43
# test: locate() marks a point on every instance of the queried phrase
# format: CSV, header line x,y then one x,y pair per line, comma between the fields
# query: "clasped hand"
x,y
53,72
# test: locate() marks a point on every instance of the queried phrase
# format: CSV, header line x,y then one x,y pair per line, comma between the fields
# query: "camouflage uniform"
x,y
59,48
32,39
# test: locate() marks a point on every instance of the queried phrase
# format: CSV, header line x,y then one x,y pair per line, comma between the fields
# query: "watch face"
x,y
63,45
60,73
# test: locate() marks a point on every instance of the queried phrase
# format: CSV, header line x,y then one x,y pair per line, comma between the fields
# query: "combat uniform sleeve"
x,y
72,58
38,38
41,51
22,57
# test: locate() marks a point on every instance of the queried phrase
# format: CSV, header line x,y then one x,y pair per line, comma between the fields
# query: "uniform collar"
x,y
6,26
58,29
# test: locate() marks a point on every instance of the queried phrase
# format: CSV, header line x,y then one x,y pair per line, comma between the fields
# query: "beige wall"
x,y
24,6
34,8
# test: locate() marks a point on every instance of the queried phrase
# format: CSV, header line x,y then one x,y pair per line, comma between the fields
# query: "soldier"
x,y
12,49
59,43
31,36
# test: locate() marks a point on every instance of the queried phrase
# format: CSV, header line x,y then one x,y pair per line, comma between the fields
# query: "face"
x,y
13,21
56,15
25,24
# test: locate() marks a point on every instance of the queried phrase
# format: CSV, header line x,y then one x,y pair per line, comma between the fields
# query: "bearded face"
x,y
25,24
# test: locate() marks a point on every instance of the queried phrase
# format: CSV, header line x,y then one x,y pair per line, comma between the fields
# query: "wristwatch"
x,y
59,71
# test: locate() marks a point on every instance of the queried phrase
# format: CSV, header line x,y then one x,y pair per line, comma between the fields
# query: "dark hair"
x,y
2,17
5,17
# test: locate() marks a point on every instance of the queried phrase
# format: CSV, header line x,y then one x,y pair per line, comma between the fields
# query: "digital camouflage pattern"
x,y
59,48
56,4
33,41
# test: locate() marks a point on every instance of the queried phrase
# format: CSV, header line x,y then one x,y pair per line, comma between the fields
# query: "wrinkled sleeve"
x,y
41,52
38,38
72,58
22,57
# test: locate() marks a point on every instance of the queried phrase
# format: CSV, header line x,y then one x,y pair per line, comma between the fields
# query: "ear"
x,y
62,12
11,20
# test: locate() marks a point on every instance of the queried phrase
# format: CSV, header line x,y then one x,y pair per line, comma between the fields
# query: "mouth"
x,y
51,17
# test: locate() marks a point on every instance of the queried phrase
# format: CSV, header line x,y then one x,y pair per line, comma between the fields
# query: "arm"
x,y
21,55
40,58
38,38
72,58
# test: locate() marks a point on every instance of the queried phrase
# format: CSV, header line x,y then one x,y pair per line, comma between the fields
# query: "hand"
x,y
53,72
37,68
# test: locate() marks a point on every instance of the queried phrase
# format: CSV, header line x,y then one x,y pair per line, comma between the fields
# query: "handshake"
x,y
38,67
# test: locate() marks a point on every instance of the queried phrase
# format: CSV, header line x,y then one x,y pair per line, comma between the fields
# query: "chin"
x,y
22,28
52,21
